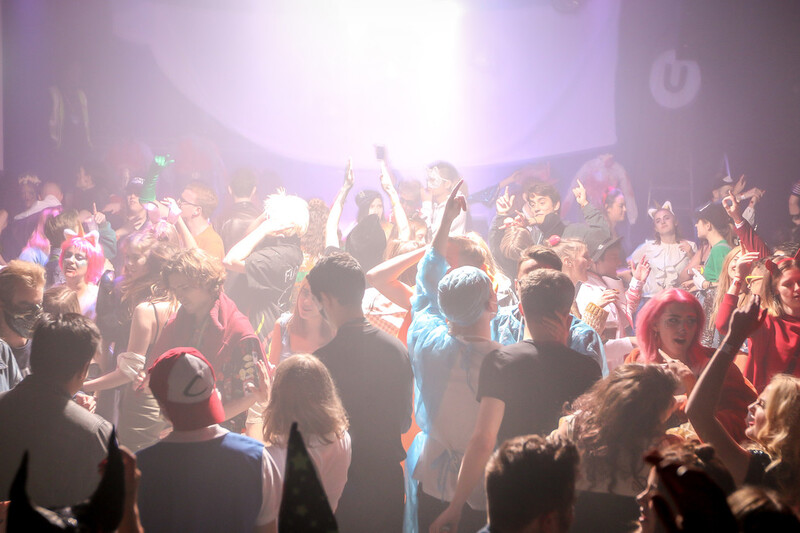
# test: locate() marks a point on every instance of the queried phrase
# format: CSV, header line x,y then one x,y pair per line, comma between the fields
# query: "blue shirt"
x,y
508,328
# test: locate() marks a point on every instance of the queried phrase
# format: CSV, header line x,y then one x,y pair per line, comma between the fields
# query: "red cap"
x,y
183,382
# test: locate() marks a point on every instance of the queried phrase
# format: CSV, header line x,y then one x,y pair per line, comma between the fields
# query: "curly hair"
x,y
618,419
303,392
150,286
313,242
780,435
197,265
698,456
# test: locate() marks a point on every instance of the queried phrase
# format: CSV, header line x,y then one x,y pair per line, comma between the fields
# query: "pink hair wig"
x,y
649,342
90,246
37,238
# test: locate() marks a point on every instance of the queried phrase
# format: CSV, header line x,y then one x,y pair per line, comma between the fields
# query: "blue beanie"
x,y
463,295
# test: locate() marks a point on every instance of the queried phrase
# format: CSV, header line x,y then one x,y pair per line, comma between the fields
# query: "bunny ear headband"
x,y
666,205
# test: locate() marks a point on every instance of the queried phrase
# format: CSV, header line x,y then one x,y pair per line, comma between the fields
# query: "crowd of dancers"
x,y
546,376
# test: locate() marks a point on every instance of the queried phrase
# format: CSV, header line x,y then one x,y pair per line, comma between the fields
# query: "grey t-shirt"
x,y
66,443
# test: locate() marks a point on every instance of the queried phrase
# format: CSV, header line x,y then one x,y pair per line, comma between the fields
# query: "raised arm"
x,y
703,400
400,218
456,203
384,277
751,241
238,254
731,298
332,225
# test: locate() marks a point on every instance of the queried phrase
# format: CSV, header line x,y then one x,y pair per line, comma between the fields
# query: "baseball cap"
x,y
183,382
134,185
598,246
715,214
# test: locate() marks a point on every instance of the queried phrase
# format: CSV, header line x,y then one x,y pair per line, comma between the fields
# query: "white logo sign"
x,y
674,83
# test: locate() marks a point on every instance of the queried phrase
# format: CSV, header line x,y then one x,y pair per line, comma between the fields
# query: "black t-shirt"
x,y
270,273
373,376
534,380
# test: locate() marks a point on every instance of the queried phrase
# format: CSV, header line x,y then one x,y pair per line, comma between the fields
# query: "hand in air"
x,y
455,203
504,203
744,265
642,270
349,177
731,205
580,194
745,321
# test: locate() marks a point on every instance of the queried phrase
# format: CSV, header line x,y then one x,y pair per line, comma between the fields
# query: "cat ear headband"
x,y
666,205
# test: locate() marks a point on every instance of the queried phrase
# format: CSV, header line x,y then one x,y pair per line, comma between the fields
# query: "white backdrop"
x,y
317,81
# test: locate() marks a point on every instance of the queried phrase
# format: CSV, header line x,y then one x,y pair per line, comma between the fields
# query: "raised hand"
x,y
580,194
98,216
745,321
731,205
455,204
642,270
504,203
386,179
686,248
744,265
739,186
349,177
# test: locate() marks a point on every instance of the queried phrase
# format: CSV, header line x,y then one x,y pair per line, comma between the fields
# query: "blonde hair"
x,y
206,197
19,272
571,248
724,281
289,210
303,392
780,435
203,269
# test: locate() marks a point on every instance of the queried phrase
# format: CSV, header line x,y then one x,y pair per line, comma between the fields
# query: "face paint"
x,y
75,263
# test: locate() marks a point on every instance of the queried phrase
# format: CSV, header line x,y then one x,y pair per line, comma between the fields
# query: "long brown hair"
x,y
618,419
299,325
303,392
150,285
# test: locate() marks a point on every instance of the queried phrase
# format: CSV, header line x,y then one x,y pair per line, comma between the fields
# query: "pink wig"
x,y
88,245
37,238
649,342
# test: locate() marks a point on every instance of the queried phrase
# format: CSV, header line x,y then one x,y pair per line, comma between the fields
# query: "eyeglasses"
x,y
750,279
180,201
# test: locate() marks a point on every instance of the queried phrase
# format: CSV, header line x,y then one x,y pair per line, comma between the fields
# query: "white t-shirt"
x,y
331,460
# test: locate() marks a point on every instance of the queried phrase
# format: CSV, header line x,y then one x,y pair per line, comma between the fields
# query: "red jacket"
x,y
228,343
